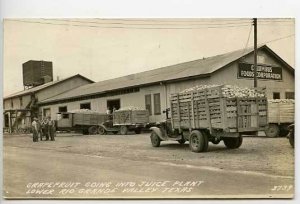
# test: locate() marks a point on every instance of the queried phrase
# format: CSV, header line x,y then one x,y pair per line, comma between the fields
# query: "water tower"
x,y
36,73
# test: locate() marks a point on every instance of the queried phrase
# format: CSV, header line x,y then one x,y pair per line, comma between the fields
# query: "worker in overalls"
x,y
51,129
46,128
35,134
40,132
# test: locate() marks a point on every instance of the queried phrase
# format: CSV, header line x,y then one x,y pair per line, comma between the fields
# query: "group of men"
x,y
43,128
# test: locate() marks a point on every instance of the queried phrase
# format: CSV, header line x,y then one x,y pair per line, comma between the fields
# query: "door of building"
x,y
46,112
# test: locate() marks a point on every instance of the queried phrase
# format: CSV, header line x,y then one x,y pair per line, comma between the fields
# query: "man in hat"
x,y
35,133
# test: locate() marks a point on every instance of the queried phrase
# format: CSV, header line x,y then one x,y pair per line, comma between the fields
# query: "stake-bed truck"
x,y
204,116
281,114
91,122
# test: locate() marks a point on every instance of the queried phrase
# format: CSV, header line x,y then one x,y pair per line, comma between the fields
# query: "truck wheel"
x,y
85,131
101,130
155,140
123,130
137,131
272,130
291,140
283,131
92,130
181,141
198,141
205,147
233,142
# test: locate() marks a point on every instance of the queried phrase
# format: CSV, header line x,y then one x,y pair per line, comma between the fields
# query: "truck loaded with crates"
x,y
124,120
281,114
92,122
85,121
212,113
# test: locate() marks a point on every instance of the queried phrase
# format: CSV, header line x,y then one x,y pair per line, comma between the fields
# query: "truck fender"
x,y
158,132
103,126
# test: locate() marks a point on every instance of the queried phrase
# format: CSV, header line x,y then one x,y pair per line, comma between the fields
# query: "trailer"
x,y
124,121
207,115
85,121
281,114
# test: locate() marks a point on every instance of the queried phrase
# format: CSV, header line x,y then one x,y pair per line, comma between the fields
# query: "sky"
x,y
102,49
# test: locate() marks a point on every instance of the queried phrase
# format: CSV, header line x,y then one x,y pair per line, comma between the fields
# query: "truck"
x,y
85,121
281,114
125,120
211,115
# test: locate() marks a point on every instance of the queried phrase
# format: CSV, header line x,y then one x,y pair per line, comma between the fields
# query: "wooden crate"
x,y
208,108
130,117
89,119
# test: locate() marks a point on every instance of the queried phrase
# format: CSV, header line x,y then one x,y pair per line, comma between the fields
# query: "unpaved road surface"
x,y
127,166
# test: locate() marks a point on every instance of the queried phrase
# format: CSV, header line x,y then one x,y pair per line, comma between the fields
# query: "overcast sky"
x,y
94,49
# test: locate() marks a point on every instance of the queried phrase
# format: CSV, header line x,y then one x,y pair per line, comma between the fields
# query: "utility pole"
x,y
255,52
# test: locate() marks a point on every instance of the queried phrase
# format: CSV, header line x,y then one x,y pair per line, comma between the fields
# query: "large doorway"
x,y
6,120
46,112
113,104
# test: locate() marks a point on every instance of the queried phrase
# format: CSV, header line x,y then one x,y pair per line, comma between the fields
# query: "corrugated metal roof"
x,y
178,71
41,87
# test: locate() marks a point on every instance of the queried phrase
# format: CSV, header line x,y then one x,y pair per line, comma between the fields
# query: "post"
x,y
255,52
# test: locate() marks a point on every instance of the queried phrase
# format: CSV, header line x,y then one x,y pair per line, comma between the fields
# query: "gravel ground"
x,y
257,154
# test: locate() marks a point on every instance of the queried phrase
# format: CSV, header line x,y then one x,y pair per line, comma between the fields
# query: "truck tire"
x,y
233,142
291,139
123,130
155,140
138,131
101,130
198,141
205,147
85,131
283,130
93,130
272,130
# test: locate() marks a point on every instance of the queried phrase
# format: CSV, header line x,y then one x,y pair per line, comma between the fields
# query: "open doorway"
x,y
113,104
6,120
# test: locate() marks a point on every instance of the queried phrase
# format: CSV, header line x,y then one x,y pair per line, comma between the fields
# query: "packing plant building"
x,y
151,89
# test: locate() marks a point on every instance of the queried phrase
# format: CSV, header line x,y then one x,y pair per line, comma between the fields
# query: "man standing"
x,y
35,133
51,128
40,132
46,128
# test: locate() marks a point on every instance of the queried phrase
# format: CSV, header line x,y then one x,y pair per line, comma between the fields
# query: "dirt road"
x,y
262,167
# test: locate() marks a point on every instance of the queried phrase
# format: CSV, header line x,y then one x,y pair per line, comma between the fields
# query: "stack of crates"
x,y
210,109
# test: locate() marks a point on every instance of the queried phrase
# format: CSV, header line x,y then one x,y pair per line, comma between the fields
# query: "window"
x,y
148,104
85,106
276,95
289,95
11,103
157,104
62,109
21,101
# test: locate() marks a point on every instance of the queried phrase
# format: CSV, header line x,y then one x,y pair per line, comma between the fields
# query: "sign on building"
x,y
269,72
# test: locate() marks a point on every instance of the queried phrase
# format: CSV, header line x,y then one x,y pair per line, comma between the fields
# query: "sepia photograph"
x,y
148,108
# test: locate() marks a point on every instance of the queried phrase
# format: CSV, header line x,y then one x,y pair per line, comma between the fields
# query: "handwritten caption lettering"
x,y
127,187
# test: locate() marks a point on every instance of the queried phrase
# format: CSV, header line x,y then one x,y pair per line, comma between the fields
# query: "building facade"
x,y
151,90
21,107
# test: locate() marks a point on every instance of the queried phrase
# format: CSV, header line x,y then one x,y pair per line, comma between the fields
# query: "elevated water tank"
x,y
36,73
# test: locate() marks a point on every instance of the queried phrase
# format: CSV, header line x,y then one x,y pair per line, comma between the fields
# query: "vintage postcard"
x,y
148,108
